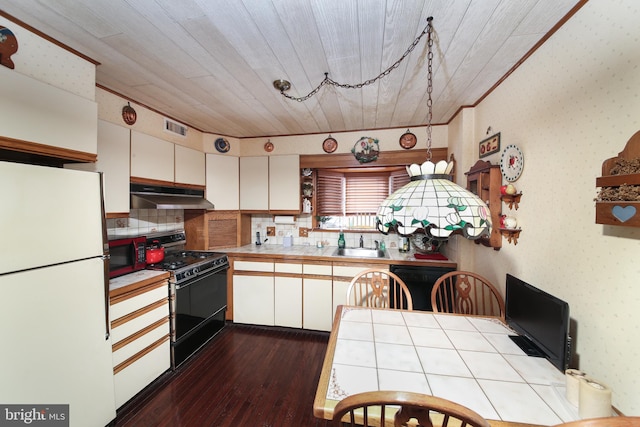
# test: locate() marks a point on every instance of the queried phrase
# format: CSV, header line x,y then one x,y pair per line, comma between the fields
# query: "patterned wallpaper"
x,y
51,64
572,105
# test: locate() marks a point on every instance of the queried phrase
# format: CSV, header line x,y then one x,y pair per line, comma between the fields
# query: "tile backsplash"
x,y
259,223
144,221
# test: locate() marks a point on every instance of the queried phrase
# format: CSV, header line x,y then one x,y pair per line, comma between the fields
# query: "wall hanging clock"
x,y
511,162
329,145
222,145
408,140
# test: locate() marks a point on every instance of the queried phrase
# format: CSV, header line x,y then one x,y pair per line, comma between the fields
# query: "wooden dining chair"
x,y
468,293
379,288
604,422
396,408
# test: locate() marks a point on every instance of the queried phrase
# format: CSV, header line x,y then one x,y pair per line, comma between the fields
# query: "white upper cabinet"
x,y
223,181
190,166
35,112
151,157
254,183
113,162
270,183
284,183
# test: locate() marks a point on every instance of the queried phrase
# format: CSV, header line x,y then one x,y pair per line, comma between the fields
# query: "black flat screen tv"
x,y
540,319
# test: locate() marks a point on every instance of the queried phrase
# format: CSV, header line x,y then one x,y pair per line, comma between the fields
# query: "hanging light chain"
x,y
429,85
329,81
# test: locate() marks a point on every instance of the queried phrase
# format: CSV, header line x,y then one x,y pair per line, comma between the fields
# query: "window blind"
x,y
365,192
397,180
330,192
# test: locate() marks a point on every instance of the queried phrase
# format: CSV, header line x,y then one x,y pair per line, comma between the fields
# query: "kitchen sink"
x,y
361,252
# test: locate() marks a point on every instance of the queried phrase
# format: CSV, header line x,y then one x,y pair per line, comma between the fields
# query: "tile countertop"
x,y
139,278
326,254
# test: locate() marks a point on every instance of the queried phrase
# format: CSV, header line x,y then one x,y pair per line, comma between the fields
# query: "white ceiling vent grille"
x,y
175,127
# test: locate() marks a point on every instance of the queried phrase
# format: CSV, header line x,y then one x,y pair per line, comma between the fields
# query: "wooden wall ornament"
x,y
618,201
8,46
129,115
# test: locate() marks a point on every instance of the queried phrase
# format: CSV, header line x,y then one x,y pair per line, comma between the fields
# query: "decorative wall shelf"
x,y
511,199
484,179
512,234
619,212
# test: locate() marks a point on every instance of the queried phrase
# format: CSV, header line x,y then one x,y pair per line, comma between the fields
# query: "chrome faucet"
x,y
375,242
361,241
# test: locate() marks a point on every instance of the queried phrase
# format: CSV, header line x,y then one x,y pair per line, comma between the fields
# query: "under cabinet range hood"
x,y
160,197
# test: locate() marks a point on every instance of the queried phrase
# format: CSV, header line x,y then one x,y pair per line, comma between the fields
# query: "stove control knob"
x,y
196,270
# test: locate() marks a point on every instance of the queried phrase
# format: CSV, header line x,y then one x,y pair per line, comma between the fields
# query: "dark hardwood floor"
x,y
246,376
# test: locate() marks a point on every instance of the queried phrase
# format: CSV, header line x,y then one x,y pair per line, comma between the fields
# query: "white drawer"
x,y
253,266
321,269
141,373
140,344
351,271
136,324
130,305
288,268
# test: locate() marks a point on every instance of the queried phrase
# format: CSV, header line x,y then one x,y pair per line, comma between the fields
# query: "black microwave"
x,y
127,255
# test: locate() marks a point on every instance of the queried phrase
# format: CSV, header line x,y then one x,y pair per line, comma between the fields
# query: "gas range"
x,y
197,293
185,264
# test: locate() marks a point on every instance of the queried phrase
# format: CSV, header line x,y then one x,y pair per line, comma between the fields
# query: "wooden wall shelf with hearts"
x,y
618,201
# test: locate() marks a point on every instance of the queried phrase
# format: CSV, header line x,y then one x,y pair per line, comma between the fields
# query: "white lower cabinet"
x,y
317,296
133,378
288,294
291,294
139,312
288,301
253,299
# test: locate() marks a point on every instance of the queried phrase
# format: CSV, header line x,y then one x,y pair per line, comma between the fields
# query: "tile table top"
x,y
469,360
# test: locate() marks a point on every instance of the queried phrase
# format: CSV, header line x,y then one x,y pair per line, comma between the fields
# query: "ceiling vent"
x,y
175,127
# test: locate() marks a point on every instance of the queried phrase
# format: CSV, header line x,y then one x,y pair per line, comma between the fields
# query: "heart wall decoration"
x,y
623,214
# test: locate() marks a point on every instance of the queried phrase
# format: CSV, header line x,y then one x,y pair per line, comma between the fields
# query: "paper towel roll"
x,y
573,377
595,399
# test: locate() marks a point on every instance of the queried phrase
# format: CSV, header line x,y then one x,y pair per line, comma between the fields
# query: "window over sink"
x,y
348,198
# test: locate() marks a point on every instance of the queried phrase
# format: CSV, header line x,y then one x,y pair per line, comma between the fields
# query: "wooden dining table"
x,y
466,359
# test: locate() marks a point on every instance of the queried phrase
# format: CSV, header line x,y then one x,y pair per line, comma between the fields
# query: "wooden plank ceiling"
x,y
211,63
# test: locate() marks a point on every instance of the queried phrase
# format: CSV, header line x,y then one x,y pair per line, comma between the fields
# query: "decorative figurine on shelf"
x,y
306,206
510,222
307,189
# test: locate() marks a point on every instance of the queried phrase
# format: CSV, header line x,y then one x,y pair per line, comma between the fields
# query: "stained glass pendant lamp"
x,y
431,203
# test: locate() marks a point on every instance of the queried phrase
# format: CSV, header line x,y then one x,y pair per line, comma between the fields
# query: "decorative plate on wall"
x,y
329,145
268,146
222,145
366,149
408,140
511,162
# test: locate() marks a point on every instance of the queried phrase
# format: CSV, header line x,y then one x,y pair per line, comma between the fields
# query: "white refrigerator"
x,y
55,345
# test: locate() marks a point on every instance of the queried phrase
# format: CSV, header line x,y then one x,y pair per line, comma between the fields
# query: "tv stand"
x,y
529,348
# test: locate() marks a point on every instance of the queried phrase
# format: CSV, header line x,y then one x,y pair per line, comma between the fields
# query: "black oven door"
x,y
198,299
199,308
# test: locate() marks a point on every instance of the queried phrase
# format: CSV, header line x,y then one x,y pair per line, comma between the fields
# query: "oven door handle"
x,y
200,276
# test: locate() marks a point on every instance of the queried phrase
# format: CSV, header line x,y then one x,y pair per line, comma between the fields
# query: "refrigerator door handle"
x,y
105,259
